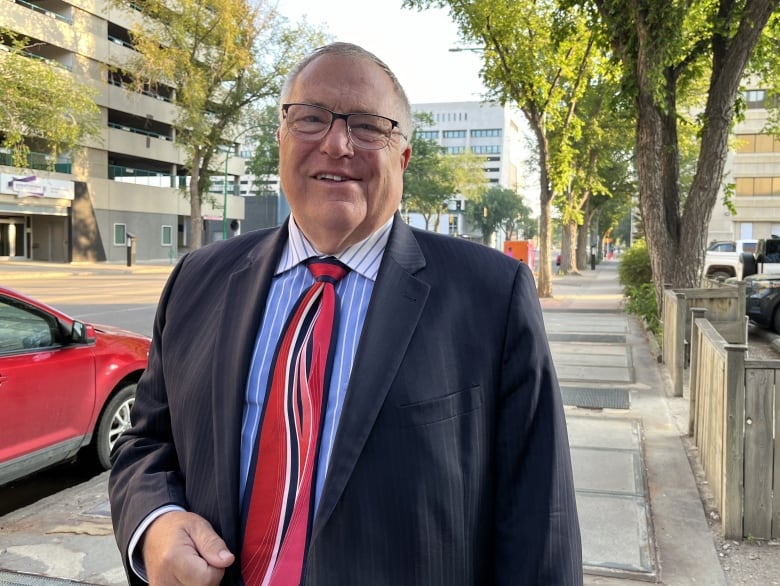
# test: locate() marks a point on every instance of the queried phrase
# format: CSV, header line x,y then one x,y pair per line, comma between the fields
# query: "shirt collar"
x,y
362,257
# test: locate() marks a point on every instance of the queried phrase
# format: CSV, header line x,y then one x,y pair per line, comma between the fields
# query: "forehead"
x,y
345,83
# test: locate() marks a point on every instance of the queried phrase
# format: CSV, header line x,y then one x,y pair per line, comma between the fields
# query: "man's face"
x,y
338,193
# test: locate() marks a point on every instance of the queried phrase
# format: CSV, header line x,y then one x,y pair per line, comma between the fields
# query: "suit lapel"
x,y
242,307
394,311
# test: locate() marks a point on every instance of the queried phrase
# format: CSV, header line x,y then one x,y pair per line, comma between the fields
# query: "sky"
x,y
415,45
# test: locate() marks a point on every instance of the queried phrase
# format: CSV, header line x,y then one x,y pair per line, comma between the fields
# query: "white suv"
x,y
722,258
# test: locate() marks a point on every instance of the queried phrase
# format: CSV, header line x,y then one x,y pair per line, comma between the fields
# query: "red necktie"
x,y
281,497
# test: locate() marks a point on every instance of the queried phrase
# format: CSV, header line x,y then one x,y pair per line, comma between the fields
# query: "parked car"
x,y
722,258
765,260
763,300
65,385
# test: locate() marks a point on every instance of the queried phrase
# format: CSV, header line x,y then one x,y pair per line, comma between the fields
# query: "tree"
x,y
668,51
601,165
219,57
264,123
429,181
43,107
536,56
496,208
469,174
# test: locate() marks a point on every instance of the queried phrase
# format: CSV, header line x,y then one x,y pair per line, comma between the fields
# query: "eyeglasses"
x,y
366,131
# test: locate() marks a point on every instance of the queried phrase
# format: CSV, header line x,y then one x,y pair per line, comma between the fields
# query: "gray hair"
x,y
351,50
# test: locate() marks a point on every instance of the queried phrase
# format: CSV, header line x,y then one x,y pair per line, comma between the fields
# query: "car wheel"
x,y
113,423
719,275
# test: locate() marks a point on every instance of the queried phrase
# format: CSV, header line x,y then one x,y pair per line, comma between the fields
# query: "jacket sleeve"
x,y
537,534
145,472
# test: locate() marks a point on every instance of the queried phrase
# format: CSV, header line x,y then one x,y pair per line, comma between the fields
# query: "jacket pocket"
x,y
440,408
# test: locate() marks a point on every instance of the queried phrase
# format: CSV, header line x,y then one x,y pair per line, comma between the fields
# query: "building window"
x,y
453,225
428,134
485,132
120,234
746,231
455,150
757,186
454,134
166,235
757,143
755,98
488,149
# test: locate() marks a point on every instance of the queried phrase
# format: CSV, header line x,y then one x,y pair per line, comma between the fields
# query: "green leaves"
x,y
42,106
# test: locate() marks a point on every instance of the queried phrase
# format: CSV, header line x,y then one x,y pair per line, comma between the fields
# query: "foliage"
x,y
429,181
42,105
636,276
496,208
678,58
219,57
641,301
468,173
537,57
634,269
264,123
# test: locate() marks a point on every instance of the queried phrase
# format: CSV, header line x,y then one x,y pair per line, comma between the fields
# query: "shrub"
x,y
641,301
634,269
636,276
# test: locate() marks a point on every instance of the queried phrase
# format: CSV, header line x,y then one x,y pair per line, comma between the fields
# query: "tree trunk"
x,y
583,249
196,215
676,234
544,274
569,249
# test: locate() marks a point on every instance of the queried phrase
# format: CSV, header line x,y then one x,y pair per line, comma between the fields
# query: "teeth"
x,y
331,177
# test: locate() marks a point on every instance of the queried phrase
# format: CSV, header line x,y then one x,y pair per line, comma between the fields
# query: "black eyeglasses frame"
x,y
345,117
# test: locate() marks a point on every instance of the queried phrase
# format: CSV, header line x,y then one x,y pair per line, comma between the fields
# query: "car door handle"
x,y
3,379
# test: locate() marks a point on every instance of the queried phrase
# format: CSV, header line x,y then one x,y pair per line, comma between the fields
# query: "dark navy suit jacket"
x,y
451,463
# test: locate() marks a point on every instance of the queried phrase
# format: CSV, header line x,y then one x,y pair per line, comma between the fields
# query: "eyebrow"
x,y
351,110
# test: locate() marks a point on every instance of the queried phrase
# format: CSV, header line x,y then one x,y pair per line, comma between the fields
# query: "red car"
x,y
64,385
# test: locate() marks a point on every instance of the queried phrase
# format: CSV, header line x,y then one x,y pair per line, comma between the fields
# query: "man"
x,y
442,455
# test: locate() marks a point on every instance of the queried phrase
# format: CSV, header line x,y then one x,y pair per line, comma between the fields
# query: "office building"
x,y
753,169
487,129
128,181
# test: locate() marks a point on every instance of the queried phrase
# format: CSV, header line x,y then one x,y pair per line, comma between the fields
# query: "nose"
x,y
336,142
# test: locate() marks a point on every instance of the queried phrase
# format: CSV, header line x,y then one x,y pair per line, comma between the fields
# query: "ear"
x,y
406,154
278,135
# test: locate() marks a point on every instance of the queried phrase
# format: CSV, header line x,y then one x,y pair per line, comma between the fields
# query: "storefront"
x,y
35,217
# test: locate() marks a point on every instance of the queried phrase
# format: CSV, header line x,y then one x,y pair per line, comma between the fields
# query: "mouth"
x,y
331,177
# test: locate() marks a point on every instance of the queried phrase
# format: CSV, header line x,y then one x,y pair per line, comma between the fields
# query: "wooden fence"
x,y
735,423
724,303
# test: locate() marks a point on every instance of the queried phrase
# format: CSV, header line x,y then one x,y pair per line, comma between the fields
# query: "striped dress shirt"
x,y
290,279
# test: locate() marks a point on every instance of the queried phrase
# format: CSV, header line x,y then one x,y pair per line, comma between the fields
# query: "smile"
x,y
329,177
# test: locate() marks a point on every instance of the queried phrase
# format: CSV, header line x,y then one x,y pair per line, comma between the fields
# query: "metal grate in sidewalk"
x,y
596,398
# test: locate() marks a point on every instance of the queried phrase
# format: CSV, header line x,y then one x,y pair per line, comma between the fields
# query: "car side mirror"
x,y
81,333
760,257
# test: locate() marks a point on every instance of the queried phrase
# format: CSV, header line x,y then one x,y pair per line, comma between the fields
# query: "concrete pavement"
x,y
641,514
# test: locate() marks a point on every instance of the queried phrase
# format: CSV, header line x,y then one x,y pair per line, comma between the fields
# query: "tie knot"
x,y
327,269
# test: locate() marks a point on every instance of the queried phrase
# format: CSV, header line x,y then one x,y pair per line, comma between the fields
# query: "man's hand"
x,y
182,548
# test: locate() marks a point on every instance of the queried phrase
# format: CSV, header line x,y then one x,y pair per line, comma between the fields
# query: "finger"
x,y
210,546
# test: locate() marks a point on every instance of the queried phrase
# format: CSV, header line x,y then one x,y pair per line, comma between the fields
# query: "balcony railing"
x,y
36,8
141,176
139,131
40,161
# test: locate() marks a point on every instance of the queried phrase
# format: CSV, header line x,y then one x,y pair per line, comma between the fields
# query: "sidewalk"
x,y
641,515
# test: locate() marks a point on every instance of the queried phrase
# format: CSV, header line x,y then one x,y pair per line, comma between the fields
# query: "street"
x,y
119,298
